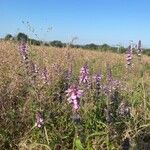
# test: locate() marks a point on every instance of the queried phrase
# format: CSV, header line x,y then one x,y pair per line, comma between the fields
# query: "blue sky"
x,y
97,21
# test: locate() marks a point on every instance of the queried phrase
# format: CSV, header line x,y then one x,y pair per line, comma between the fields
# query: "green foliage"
x,y
146,52
8,37
57,44
34,42
21,36
91,46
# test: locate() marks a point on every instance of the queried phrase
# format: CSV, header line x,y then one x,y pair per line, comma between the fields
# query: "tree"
x,y
56,44
22,36
105,47
8,37
91,46
34,42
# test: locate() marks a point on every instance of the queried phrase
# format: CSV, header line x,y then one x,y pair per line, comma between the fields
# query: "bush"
x,y
56,44
8,37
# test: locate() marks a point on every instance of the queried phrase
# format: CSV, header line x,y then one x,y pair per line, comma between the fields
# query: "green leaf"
x,y
78,144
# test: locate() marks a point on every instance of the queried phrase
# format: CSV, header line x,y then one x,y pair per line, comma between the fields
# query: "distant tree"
x,y
56,44
91,46
122,49
34,42
105,47
46,44
146,52
22,36
8,37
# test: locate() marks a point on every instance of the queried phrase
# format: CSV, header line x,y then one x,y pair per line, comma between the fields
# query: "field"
x,y
65,98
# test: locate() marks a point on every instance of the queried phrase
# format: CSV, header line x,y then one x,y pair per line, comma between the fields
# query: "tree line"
x,y
59,44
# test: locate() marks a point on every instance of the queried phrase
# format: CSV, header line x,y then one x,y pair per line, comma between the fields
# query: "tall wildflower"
x,y
32,70
108,92
66,77
139,49
45,75
23,50
109,89
38,120
128,56
97,78
67,73
74,95
84,74
123,110
111,85
57,68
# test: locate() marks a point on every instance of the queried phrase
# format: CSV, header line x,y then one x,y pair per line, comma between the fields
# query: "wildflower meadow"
x,y
73,99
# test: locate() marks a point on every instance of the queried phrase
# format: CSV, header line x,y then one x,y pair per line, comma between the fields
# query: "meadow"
x,y
72,99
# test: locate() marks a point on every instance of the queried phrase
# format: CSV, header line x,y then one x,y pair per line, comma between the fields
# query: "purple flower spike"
x,y
111,84
84,74
129,56
123,110
23,50
74,94
139,49
45,75
97,78
39,120
33,67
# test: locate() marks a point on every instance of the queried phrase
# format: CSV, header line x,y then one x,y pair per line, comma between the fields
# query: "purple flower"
x,y
45,75
57,68
23,50
39,120
84,74
97,78
109,89
123,110
34,68
111,85
74,94
67,74
139,49
128,56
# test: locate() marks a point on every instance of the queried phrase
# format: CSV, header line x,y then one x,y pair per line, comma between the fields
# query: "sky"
x,y
91,21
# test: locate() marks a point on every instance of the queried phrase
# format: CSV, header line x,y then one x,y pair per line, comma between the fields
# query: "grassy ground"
x,y
23,93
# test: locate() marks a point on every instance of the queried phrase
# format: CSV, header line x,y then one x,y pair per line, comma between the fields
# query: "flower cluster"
x,y
23,50
129,56
39,120
84,74
45,75
123,110
74,95
33,68
111,85
97,78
